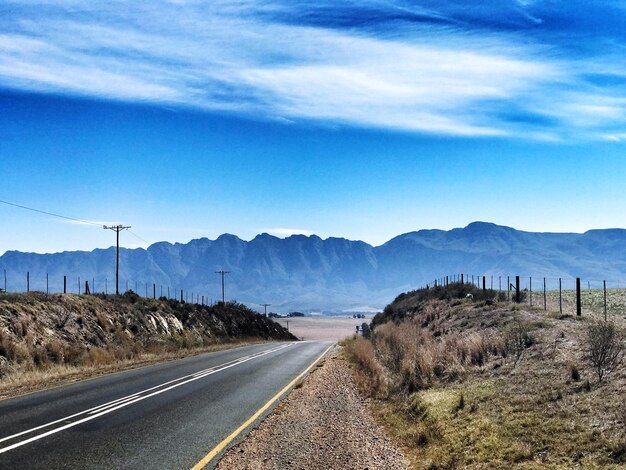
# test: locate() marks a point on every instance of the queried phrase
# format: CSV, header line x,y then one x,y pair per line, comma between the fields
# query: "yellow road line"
x,y
218,448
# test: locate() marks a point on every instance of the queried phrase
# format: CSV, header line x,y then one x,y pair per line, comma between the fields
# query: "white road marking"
x,y
102,408
122,402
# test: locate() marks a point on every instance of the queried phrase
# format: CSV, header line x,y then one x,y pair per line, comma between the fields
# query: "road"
x,y
168,415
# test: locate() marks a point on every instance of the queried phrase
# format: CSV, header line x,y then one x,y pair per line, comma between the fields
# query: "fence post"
x,y
484,284
604,282
27,281
530,286
65,284
446,280
508,288
545,301
578,303
492,282
518,296
153,290
560,298
461,278
181,295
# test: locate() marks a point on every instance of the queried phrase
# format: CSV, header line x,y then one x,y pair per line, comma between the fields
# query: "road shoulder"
x,y
322,424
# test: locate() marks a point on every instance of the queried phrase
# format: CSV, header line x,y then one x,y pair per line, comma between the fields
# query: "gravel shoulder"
x,y
322,424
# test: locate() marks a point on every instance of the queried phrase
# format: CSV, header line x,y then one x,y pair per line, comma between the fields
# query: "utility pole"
x,y
265,305
223,273
117,229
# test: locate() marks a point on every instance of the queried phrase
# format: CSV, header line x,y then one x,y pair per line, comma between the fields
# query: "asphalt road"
x,y
163,416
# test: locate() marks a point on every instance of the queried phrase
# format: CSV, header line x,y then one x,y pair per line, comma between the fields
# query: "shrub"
x,y
361,352
604,343
518,340
410,303
55,351
63,318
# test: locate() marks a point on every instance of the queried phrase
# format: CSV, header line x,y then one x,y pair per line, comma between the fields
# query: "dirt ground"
x,y
323,328
323,424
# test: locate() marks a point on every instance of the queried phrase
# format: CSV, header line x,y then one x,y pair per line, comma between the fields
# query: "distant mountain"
x,y
314,275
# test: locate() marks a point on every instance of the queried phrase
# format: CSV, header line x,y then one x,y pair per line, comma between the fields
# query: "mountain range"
x,y
332,275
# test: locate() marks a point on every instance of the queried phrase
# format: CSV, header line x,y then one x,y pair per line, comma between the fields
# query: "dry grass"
x,y
472,385
98,362
44,337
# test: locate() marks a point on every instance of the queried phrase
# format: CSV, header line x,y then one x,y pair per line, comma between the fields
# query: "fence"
x,y
566,295
92,285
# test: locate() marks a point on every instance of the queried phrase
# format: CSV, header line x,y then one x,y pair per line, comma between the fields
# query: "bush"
x,y
518,339
361,352
410,303
604,343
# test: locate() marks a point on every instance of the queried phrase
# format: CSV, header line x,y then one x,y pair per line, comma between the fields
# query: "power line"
x,y
137,236
49,213
65,217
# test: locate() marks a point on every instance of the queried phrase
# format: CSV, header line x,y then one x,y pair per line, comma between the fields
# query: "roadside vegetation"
x,y
481,382
50,338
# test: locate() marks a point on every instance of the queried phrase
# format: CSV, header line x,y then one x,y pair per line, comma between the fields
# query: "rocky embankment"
x,y
39,330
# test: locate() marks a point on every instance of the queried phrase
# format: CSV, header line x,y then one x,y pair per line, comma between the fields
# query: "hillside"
x,y
313,275
485,383
39,332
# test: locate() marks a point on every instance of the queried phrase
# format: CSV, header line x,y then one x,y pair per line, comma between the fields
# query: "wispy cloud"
x,y
87,223
494,69
287,232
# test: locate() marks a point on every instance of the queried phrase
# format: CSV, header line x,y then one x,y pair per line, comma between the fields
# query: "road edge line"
x,y
222,445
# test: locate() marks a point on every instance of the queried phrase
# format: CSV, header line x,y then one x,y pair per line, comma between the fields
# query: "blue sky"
x,y
356,119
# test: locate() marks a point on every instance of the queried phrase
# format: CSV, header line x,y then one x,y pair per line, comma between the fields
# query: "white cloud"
x,y
236,58
287,232
89,223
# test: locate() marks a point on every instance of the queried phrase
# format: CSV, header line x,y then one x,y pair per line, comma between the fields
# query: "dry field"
x,y
322,328
592,301
475,385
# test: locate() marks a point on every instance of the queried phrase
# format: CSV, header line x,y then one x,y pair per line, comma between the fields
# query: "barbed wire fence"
x,y
565,295
91,285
